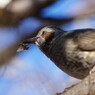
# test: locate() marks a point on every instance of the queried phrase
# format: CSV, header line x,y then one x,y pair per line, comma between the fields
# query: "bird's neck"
x,y
45,48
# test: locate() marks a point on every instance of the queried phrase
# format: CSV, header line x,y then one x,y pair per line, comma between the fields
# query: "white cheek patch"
x,y
40,41
37,43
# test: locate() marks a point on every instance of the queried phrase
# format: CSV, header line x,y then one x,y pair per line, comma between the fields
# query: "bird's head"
x,y
46,35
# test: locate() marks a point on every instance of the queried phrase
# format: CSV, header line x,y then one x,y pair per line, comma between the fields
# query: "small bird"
x,y
72,51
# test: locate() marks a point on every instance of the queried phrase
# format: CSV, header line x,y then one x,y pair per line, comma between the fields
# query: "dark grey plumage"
x,y
72,51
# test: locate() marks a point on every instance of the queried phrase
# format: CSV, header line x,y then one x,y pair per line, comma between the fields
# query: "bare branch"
x,y
20,9
85,87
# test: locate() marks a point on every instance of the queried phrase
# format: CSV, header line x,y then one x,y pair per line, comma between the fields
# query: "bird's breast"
x,y
66,55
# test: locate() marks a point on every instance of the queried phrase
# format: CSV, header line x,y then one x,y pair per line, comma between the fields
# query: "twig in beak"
x,y
31,41
23,45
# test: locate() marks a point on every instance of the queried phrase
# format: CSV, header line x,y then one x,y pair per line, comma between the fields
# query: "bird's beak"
x,y
31,40
34,39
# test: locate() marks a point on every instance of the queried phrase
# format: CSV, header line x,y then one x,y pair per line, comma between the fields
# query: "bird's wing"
x,y
86,40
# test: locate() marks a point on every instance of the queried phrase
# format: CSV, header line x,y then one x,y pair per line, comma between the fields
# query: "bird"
x,y
72,51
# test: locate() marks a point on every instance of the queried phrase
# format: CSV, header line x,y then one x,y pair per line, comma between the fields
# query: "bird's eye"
x,y
43,32
47,35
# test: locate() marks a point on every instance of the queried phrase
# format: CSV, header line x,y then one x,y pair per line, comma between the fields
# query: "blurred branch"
x,y
12,14
17,10
85,87
8,53
88,10
48,21
20,9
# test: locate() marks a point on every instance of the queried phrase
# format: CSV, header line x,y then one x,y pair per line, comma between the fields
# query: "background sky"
x,y
30,72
